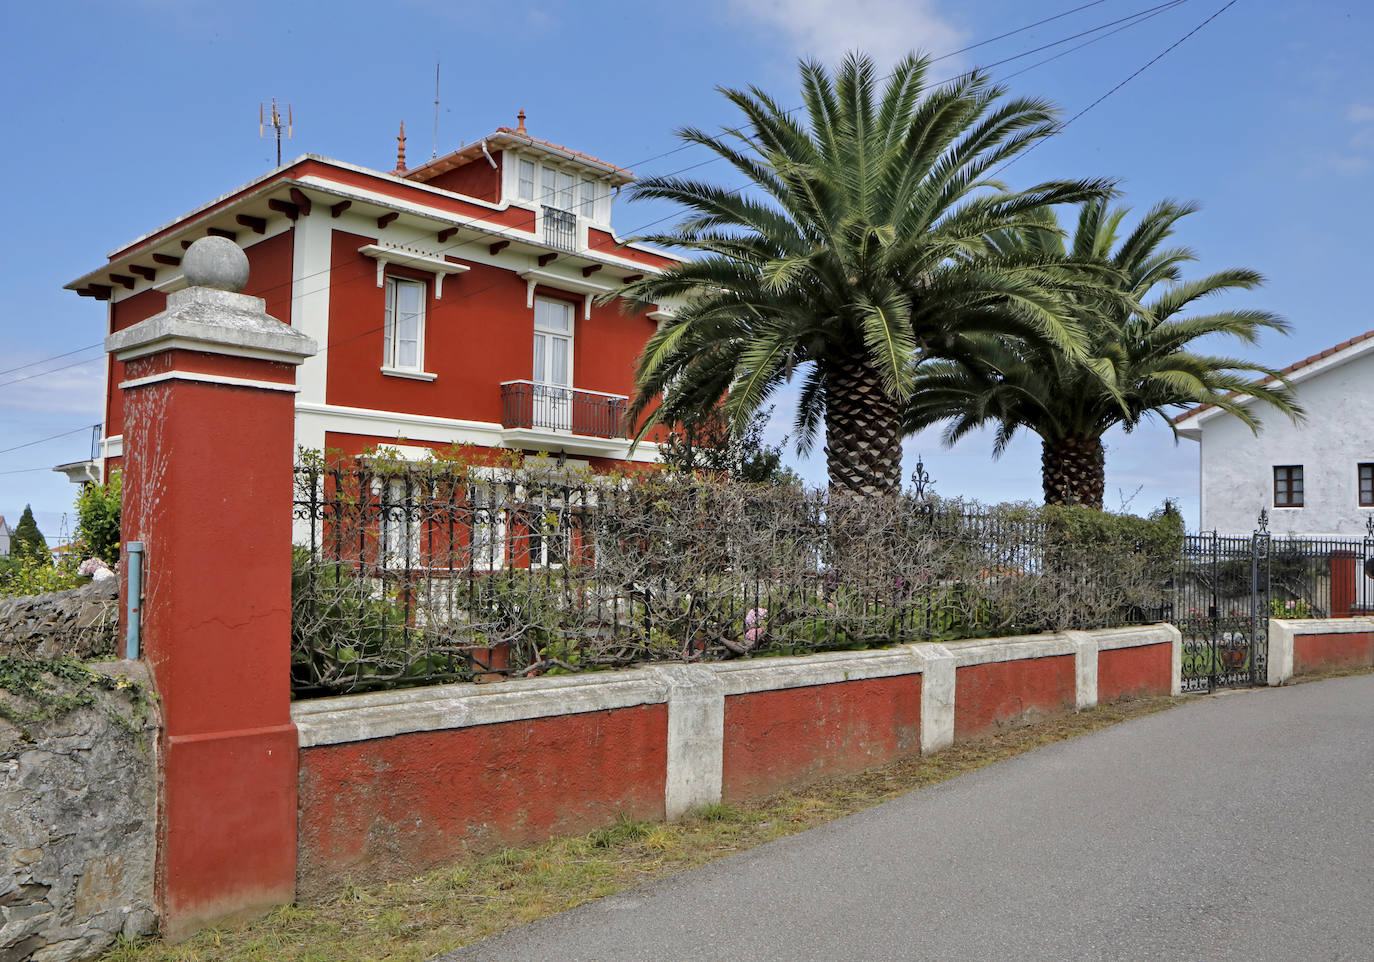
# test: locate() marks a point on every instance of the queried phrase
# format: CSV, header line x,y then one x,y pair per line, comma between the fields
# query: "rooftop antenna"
x,y
275,123
435,152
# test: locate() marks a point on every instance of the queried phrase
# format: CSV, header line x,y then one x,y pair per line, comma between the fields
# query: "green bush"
x,y
98,513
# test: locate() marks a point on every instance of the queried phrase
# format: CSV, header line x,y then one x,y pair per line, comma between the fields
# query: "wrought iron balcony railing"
x,y
560,229
548,407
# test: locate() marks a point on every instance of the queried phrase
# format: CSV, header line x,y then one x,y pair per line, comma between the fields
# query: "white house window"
x,y
527,180
487,533
550,533
1288,486
405,324
587,199
553,354
1367,485
562,189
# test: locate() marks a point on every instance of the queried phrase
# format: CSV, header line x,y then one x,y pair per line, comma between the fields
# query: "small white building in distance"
x,y
1315,477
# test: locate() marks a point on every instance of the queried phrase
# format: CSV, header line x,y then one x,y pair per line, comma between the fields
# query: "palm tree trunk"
x,y
863,431
1073,471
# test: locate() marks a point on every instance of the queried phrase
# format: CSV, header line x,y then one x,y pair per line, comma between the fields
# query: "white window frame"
x,y
560,409
390,352
537,542
494,484
520,181
537,194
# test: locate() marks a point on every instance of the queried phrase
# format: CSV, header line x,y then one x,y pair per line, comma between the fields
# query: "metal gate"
x,y
1227,589
1222,607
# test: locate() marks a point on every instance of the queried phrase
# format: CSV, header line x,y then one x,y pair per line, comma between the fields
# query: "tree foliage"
x,y
707,443
27,542
1140,358
98,518
858,247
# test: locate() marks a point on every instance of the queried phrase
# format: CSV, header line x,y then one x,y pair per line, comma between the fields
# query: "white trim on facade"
x,y
208,379
314,420
434,264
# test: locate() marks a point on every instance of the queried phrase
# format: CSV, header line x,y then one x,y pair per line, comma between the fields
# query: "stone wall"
x,y
80,623
77,823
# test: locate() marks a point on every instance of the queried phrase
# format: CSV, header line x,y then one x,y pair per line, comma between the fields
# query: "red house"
x,y
454,302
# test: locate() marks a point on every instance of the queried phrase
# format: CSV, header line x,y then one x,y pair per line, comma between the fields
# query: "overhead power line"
x,y
52,437
1140,70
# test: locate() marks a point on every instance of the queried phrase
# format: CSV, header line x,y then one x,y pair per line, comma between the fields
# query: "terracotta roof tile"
x,y
1290,369
470,151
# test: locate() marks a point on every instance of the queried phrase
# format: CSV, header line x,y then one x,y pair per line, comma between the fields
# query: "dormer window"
x,y
563,190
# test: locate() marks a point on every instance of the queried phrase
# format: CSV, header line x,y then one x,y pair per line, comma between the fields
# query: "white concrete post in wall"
x,y
1084,668
1279,663
696,737
937,696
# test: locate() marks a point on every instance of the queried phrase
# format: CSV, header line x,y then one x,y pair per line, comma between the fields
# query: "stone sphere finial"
x,y
215,262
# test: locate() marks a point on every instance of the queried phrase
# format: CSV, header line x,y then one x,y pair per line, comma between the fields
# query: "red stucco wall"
x,y
1313,653
777,739
391,806
1134,672
1011,693
477,178
479,334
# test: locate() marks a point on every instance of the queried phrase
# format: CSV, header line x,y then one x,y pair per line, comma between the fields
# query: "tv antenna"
x,y
435,152
275,123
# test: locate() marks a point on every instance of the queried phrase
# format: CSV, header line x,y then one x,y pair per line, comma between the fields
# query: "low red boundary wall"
x,y
775,739
1311,646
1011,694
393,782
1133,672
392,806
1316,653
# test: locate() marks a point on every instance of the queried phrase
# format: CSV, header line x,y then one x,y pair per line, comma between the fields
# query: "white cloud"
x,y
828,29
78,390
1360,113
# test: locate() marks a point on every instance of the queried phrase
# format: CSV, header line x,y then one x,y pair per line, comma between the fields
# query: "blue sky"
x,y
123,115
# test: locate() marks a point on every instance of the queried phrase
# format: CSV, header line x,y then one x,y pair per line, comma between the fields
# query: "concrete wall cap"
x,y
214,319
353,718
1134,637
981,652
827,668
1325,626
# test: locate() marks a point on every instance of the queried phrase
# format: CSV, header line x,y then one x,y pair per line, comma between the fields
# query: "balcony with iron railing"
x,y
560,228
549,408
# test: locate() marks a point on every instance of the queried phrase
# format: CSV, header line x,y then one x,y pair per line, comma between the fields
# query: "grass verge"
x,y
415,919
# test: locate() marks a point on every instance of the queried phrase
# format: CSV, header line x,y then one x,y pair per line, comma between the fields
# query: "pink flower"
x,y
755,616
92,566
752,635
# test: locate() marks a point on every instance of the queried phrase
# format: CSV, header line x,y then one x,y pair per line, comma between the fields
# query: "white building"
x,y
1315,477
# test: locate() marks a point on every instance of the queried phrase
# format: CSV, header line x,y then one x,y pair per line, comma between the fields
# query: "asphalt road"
x,y
1239,826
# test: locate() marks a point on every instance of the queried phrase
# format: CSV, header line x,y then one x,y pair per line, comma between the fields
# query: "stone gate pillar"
x,y
208,455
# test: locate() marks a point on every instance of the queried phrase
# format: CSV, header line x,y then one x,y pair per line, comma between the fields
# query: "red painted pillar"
x,y
1345,578
208,453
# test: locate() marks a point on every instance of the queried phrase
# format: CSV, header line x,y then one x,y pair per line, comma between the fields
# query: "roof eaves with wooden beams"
x,y
305,188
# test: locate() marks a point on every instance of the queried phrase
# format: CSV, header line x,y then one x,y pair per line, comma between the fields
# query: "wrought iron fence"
x,y
410,574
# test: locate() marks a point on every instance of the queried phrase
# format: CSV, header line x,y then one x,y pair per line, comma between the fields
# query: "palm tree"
x,y
1138,363
857,249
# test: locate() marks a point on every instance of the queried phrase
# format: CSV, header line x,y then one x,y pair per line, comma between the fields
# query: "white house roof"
x,y
1189,423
